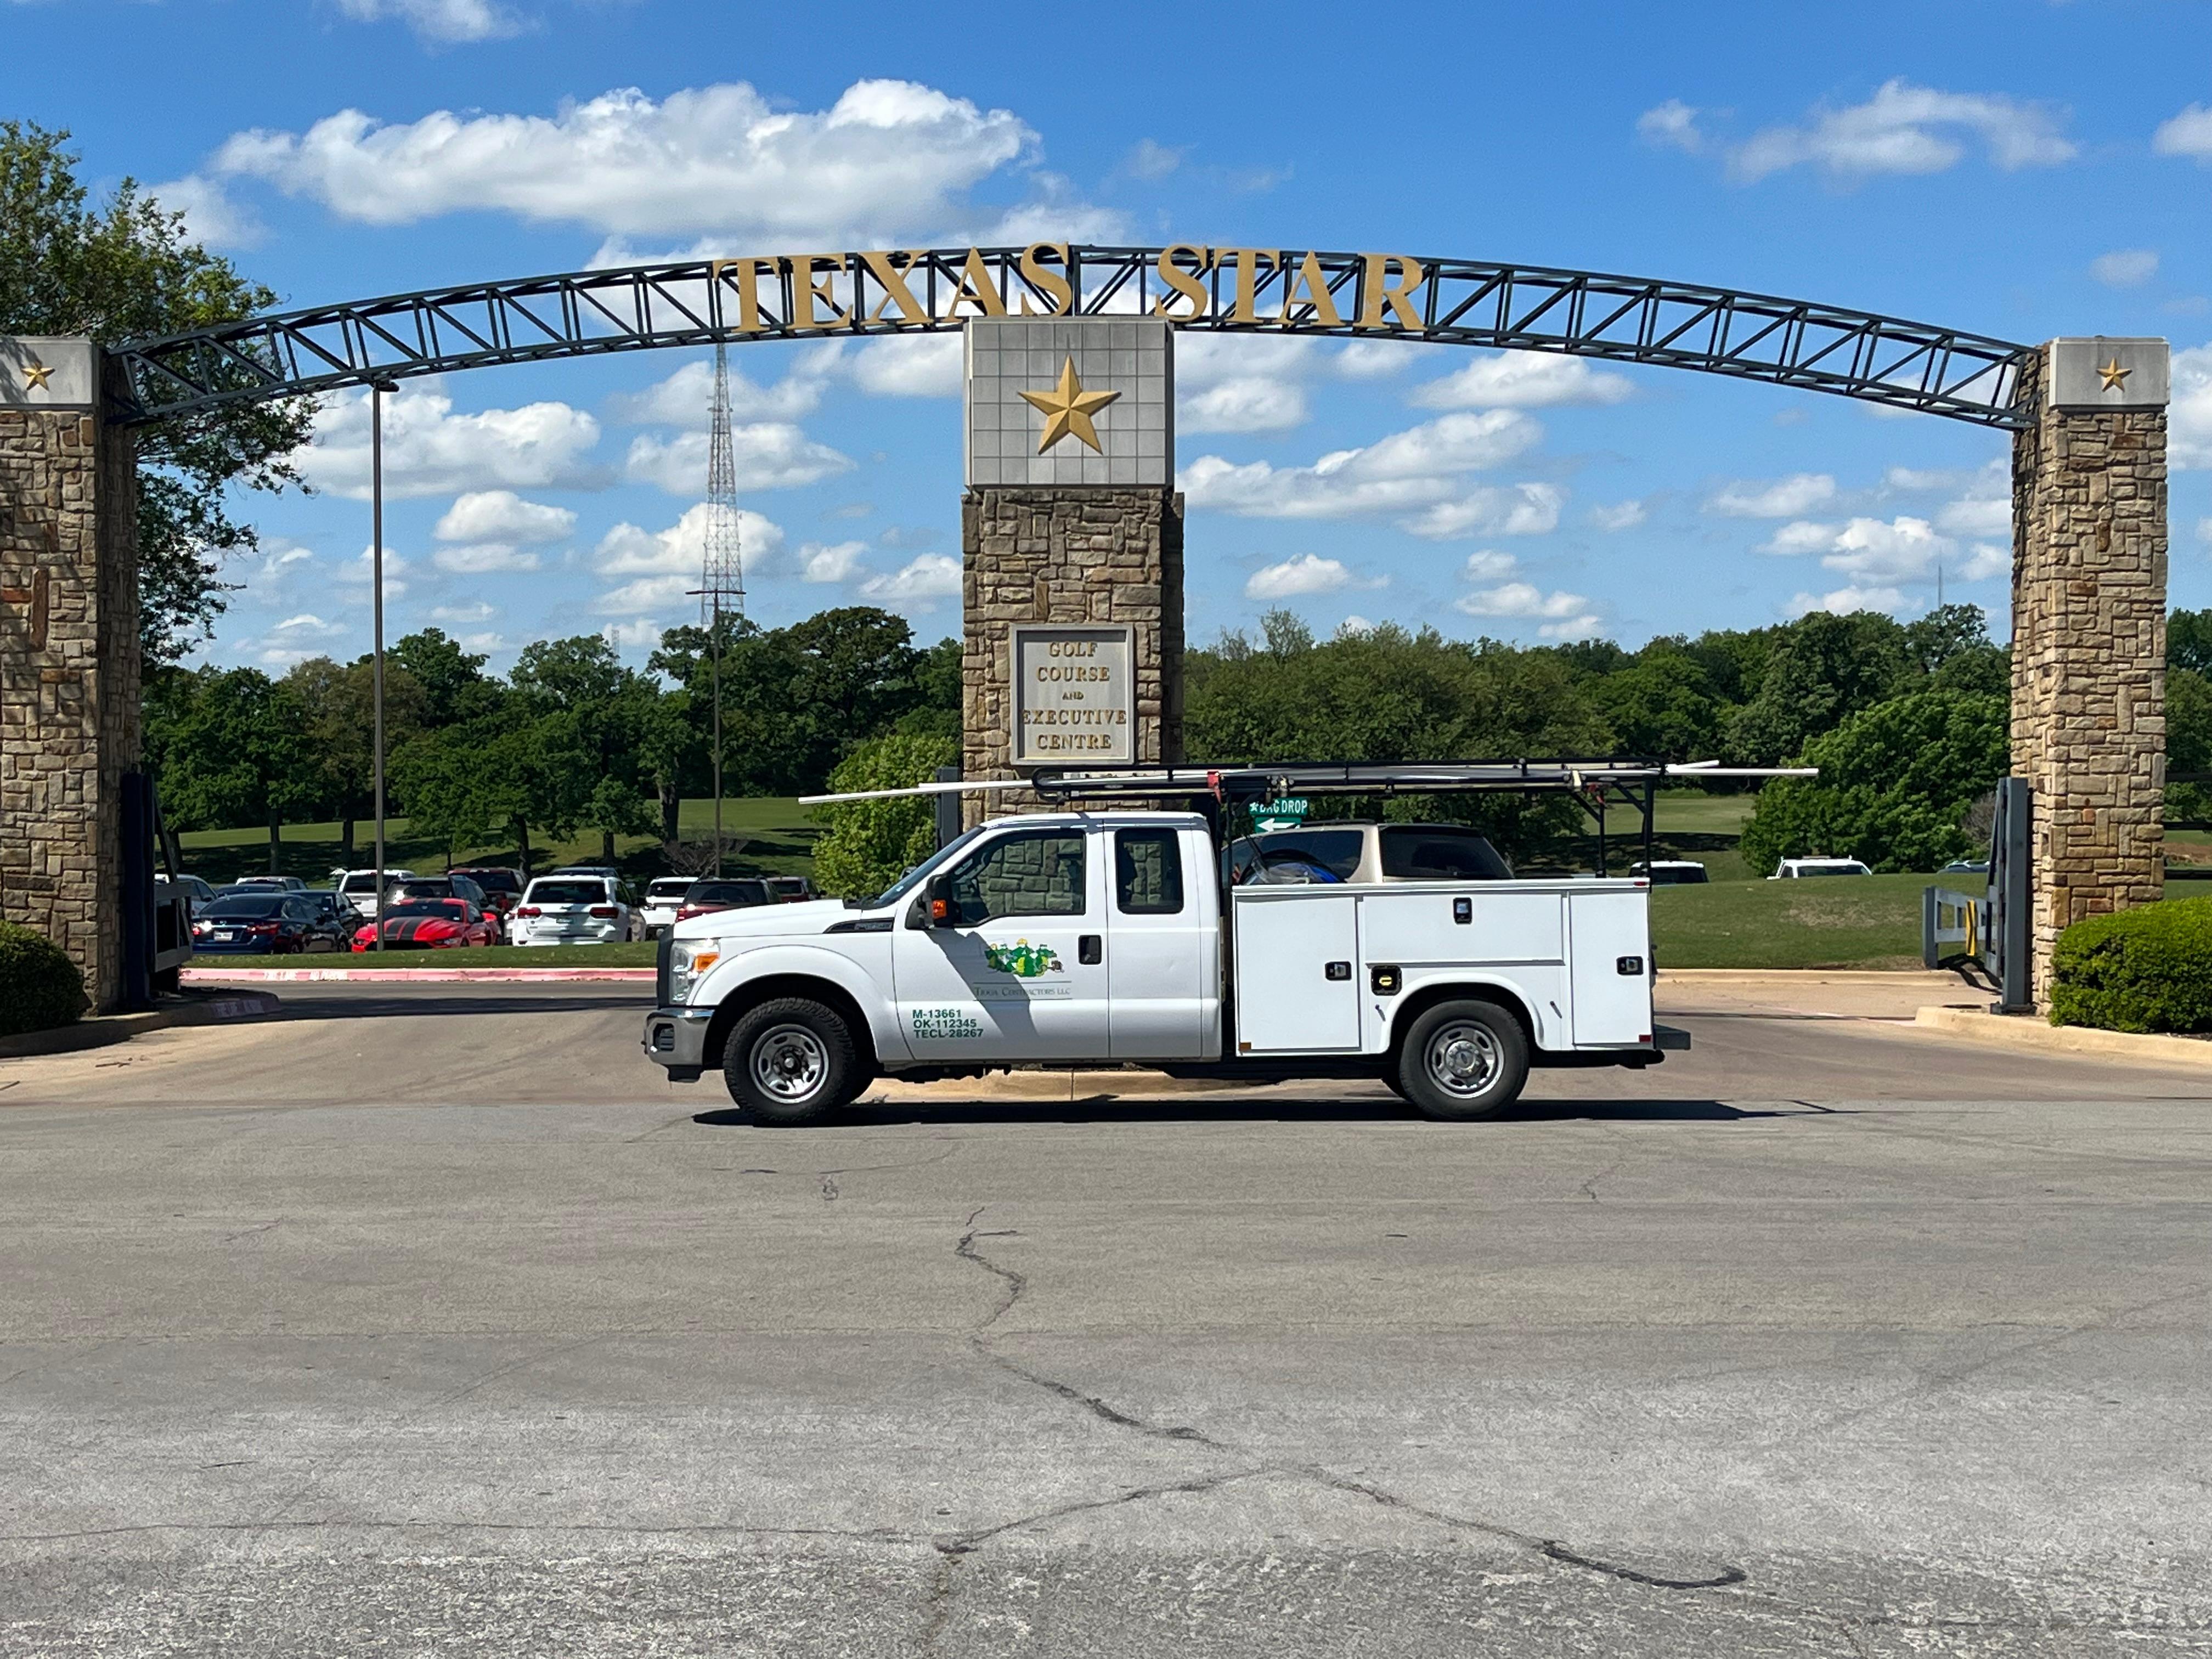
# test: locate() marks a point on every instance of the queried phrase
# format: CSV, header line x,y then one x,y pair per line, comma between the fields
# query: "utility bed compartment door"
x,y
1608,931
1286,949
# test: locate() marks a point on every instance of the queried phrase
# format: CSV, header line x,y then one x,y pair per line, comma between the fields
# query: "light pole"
x,y
376,390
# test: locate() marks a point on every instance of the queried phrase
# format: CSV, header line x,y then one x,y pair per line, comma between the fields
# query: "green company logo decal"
x,y
1023,959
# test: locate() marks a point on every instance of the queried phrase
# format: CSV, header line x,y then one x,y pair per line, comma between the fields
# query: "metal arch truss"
x,y
1752,337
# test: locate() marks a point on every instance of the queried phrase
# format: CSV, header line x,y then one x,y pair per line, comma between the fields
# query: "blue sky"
x,y
2014,168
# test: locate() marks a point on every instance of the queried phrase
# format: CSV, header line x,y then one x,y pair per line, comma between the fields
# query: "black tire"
x,y
792,1060
1462,1060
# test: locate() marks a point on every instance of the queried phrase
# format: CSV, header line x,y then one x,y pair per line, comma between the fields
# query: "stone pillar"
x,y
2088,640
69,653
1067,556
1071,516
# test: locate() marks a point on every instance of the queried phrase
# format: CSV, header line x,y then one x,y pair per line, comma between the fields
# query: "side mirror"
x,y
944,909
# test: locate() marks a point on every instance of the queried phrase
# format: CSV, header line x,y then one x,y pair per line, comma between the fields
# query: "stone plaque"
x,y
2108,371
1073,694
1087,401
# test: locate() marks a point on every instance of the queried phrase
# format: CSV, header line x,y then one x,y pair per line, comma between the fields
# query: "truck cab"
x,y
1107,938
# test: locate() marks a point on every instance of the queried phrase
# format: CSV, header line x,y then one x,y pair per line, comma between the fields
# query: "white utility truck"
x,y
1114,936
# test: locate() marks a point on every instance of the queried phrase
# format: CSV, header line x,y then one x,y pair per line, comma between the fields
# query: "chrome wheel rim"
x,y
790,1063
1463,1059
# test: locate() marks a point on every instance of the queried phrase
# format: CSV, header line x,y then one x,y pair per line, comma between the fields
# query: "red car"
x,y
430,923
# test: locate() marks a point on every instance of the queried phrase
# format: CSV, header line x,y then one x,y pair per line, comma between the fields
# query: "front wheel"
x,y
792,1060
1464,1059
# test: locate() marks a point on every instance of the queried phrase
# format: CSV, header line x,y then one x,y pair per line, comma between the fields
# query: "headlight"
x,y
689,962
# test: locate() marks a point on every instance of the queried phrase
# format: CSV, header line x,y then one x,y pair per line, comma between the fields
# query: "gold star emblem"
x,y
2112,373
35,374
1068,408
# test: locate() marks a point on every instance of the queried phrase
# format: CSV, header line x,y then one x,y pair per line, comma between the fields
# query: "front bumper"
x,y
677,1038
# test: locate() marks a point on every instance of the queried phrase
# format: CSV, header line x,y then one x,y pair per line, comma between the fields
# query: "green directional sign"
x,y
1286,814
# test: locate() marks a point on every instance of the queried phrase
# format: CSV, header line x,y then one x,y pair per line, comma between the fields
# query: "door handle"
x,y
1090,948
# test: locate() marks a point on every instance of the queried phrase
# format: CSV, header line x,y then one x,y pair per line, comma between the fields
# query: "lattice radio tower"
x,y
722,573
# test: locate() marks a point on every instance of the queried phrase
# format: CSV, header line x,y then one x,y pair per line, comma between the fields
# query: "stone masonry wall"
x,y
69,680
2089,663
1067,556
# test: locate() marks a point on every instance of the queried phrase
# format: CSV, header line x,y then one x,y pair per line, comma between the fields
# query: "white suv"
x,y
662,894
1793,869
573,910
359,886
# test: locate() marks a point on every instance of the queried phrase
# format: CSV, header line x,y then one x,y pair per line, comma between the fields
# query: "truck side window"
x,y
1147,873
1039,873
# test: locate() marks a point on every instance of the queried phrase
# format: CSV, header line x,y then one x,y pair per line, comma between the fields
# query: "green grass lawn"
x,y
1834,922
494,956
1686,823
779,841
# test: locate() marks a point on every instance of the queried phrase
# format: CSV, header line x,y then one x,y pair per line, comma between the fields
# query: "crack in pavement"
x,y
1015,1285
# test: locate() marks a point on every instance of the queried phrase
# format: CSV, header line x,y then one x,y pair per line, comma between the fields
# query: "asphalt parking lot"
x,y
433,1321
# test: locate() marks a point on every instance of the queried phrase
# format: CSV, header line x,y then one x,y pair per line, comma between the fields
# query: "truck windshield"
x,y
906,882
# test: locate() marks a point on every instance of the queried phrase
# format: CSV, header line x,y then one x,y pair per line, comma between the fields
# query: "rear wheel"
x,y
792,1060
1464,1059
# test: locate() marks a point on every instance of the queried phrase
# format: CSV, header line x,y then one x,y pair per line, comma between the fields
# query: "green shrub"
x,y
39,986
2149,969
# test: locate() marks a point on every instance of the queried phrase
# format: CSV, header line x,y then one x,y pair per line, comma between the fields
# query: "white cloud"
x,y
1774,498
1905,129
443,21
1352,625
501,515
1245,405
1308,574
648,594
430,451
281,656
1404,472
1881,553
1801,536
888,159
307,622
686,397
482,558
1672,123
1152,160
1487,564
769,455
2189,133
2189,417
681,549
360,570
1374,360
280,558
1519,600
1621,515
632,635
486,642
921,583
837,562
1521,379
2204,529
909,366
477,610
1526,509
1844,600
2126,267
211,218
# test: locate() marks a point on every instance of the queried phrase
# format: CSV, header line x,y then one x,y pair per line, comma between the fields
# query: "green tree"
x,y
1895,780
872,843
120,271
2188,743
454,686
2189,641
228,747
1662,706
338,710
1823,668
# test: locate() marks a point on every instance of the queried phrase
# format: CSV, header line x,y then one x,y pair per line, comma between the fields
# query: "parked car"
x,y
1670,873
289,883
1966,867
573,910
502,887
712,893
263,923
607,869
337,907
429,924
663,895
453,885
360,885
1794,869
1367,852
197,890
790,890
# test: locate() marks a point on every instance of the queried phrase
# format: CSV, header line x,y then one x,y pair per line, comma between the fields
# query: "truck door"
x,y
1609,953
1160,949
1298,956
1022,976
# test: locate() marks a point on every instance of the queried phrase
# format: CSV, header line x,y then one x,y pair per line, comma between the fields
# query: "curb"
x,y
2029,1031
419,976
1805,976
102,1030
